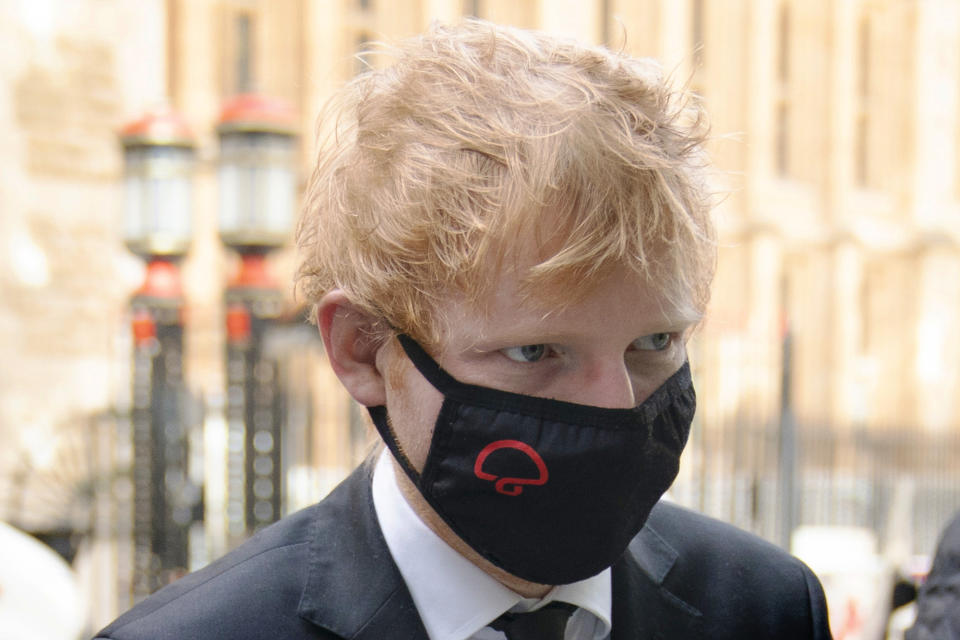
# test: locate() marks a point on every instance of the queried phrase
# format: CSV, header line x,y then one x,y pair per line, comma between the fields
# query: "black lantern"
x,y
258,193
158,184
258,184
158,177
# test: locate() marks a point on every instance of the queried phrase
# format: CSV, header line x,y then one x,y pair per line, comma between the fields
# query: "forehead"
x,y
619,303
540,276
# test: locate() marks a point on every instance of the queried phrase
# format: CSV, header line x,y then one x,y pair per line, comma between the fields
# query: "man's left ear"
x,y
350,338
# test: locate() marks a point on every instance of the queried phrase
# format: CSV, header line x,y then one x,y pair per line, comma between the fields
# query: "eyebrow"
x,y
686,318
679,322
682,315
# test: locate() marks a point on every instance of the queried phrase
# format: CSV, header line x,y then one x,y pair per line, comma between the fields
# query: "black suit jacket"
x,y
325,572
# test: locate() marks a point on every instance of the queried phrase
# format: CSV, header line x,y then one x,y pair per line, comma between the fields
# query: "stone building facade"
x,y
831,341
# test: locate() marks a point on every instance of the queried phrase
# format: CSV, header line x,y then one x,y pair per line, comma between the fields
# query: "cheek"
x,y
646,379
412,406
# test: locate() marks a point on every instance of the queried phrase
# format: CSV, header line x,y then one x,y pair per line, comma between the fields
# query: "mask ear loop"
x,y
379,416
427,366
435,375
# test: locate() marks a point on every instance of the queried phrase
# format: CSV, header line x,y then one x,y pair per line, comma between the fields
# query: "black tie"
x,y
546,623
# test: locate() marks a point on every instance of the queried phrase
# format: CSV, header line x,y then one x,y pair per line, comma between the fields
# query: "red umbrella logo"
x,y
510,486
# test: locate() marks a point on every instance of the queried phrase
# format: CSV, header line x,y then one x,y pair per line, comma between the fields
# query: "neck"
x,y
423,510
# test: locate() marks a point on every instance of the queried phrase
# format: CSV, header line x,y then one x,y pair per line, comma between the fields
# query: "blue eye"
x,y
653,342
526,353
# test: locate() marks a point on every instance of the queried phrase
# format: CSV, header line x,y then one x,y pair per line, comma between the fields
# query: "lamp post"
x,y
158,152
258,191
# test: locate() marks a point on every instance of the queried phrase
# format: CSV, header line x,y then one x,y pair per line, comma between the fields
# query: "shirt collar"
x,y
453,596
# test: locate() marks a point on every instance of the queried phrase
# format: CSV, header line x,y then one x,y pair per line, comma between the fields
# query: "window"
x,y
238,55
861,147
696,32
244,53
781,124
860,150
783,43
863,48
782,139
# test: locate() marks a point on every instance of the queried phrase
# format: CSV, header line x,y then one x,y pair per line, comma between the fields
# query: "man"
x,y
507,242
938,600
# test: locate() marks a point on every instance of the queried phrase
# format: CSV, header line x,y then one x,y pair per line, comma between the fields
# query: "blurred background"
x,y
162,397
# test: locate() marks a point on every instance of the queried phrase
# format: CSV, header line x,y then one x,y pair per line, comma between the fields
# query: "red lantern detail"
x,y
162,280
238,323
160,126
254,112
144,328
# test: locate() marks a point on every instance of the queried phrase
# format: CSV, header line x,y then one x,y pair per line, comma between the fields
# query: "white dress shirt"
x,y
456,599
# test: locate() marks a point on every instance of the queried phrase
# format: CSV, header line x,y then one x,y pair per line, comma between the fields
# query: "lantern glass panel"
x,y
257,188
158,195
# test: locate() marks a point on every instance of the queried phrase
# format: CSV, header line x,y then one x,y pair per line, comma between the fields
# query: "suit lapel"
x,y
355,590
643,608
353,587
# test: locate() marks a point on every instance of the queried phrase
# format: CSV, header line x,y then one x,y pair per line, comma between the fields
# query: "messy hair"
x,y
480,137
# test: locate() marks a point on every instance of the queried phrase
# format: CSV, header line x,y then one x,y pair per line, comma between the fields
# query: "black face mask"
x,y
550,491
